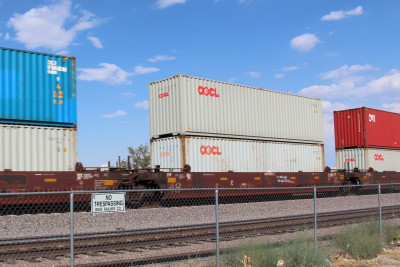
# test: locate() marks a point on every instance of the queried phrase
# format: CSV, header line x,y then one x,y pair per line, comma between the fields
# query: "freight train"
x,y
209,129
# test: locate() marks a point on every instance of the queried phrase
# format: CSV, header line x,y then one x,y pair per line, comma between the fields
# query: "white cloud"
x,y
279,76
95,41
349,85
388,84
167,3
254,74
328,91
345,71
161,58
291,68
111,73
393,107
143,104
46,26
340,14
304,42
108,73
119,113
139,70
329,107
7,36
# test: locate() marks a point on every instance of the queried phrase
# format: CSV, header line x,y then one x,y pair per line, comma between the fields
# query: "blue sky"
x,y
345,52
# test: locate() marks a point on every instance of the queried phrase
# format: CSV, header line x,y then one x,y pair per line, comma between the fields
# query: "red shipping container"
x,y
367,127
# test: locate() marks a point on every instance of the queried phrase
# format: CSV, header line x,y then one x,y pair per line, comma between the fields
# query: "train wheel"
x,y
346,189
153,197
135,199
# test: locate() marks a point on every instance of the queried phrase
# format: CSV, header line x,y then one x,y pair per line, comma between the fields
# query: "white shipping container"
x,y
205,154
184,105
37,148
364,158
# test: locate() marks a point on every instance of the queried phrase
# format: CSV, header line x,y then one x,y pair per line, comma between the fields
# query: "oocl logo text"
x,y
162,95
379,157
210,150
351,160
207,91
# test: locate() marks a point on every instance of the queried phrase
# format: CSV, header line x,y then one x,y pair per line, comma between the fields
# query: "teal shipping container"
x,y
37,88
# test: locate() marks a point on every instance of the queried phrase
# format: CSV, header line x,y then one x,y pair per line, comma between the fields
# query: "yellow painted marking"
x,y
257,178
58,86
109,182
55,93
61,102
316,177
383,177
61,95
50,180
65,149
223,179
171,180
292,178
55,102
341,177
365,177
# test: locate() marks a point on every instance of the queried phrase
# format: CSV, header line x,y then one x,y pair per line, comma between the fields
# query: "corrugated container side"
x,y
37,148
364,158
365,127
194,106
37,88
205,154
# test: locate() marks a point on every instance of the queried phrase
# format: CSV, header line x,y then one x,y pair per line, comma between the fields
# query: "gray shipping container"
x,y
37,148
364,158
206,154
184,105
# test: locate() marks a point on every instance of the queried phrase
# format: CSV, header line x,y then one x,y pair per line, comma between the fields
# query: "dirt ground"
x,y
389,257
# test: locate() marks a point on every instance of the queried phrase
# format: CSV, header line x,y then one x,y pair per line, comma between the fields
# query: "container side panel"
x,y
365,127
349,128
166,152
37,148
364,158
222,155
165,107
382,128
216,108
37,88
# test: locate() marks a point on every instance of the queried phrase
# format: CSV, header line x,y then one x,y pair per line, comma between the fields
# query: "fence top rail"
x,y
76,192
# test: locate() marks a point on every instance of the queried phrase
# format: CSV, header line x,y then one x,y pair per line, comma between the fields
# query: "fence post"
x,y
72,226
315,217
217,225
380,211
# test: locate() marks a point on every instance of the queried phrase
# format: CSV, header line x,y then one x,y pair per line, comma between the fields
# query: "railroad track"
x,y
13,250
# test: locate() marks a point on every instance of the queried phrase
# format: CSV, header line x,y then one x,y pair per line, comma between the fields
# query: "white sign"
x,y
106,203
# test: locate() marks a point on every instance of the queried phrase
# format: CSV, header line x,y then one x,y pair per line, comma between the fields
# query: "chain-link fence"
x,y
179,227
